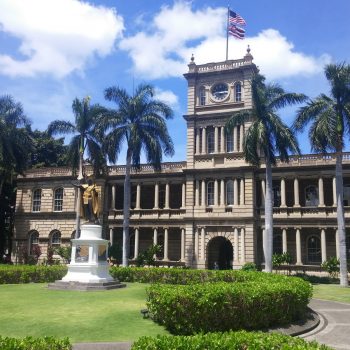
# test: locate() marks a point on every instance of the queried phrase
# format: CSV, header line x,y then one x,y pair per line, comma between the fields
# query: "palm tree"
x,y
266,136
15,141
140,122
330,118
84,140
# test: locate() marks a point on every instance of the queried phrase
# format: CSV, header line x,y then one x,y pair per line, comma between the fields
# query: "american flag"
x,y
235,18
237,32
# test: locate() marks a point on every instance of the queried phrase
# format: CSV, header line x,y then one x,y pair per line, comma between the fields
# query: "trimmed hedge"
x,y
220,306
227,341
45,343
14,274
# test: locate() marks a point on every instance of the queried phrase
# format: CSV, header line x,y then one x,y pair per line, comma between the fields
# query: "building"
x,y
207,209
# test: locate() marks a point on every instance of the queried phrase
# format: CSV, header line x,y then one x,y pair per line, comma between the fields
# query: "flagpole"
x,y
228,14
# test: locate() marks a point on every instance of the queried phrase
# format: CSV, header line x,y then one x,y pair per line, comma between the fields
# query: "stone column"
x,y
156,195
216,140
197,141
222,138
323,245
236,245
263,193
283,192
111,235
334,192
167,195
155,235
241,137
183,195
242,189
196,243
235,139
284,241
197,194
320,192
166,244
337,244
222,192
203,243
263,240
216,193
296,193
204,141
182,244
136,248
235,192
113,197
298,246
242,245
138,196
203,204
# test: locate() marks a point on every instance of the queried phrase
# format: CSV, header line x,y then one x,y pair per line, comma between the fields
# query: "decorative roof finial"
x,y
192,58
248,49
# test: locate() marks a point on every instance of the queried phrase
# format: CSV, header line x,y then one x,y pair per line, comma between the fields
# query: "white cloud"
x,y
164,49
56,36
167,97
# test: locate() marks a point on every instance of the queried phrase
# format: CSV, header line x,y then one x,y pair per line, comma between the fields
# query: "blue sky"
x,y
55,50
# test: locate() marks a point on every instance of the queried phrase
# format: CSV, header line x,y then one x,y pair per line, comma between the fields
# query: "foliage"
x,y
222,306
317,279
331,265
249,266
45,343
49,256
48,152
115,252
14,274
280,259
64,252
148,256
227,341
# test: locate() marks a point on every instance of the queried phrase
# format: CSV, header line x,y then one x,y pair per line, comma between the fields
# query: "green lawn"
x,y
332,292
32,309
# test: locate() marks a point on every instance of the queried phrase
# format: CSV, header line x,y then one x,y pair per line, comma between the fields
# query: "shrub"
x,y
148,256
211,307
331,265
64,252
227,341
15,274
45,343
249,266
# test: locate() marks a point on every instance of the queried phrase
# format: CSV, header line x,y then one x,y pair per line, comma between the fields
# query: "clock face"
x,y
219,91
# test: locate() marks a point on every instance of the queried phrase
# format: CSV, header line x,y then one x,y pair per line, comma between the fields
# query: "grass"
x,y
33,310
332,292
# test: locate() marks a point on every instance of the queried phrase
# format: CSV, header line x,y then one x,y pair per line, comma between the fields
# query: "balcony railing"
x,y
303,211
149,213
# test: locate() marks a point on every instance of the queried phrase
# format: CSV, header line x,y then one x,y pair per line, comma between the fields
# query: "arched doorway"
x,y
220,253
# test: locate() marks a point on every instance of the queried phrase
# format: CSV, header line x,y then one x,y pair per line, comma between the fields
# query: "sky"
x,y
52,51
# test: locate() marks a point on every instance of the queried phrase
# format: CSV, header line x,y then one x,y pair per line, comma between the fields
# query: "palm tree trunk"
x,y
267,239
126,210
341,221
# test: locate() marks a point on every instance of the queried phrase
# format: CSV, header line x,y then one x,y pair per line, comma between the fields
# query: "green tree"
x,y
48,151
330,122
140,122
265,137
84,141
15,141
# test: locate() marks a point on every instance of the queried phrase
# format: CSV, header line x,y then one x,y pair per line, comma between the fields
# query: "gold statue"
x,y
90,207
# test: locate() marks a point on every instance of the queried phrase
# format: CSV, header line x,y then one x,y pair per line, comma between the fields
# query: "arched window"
x,y
202,96
55,238
229,192
238,92
33,241
314,249
210,193
229,142
58,199
277,244
36,200
210,140
311,196
276,196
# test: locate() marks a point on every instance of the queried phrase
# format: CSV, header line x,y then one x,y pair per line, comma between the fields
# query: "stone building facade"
x,y
208,209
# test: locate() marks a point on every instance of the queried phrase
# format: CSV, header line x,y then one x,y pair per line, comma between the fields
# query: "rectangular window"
x,y
37,200
58,205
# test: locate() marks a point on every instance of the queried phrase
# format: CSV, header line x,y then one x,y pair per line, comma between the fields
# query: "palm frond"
x,y
236,119
60,127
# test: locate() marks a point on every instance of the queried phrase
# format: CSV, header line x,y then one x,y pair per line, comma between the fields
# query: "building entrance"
x,y
220,254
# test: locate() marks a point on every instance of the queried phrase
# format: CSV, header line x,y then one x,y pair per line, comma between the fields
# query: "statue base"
x,y
88,269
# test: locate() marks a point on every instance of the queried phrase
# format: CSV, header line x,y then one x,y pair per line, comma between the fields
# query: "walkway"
x,y
334,329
